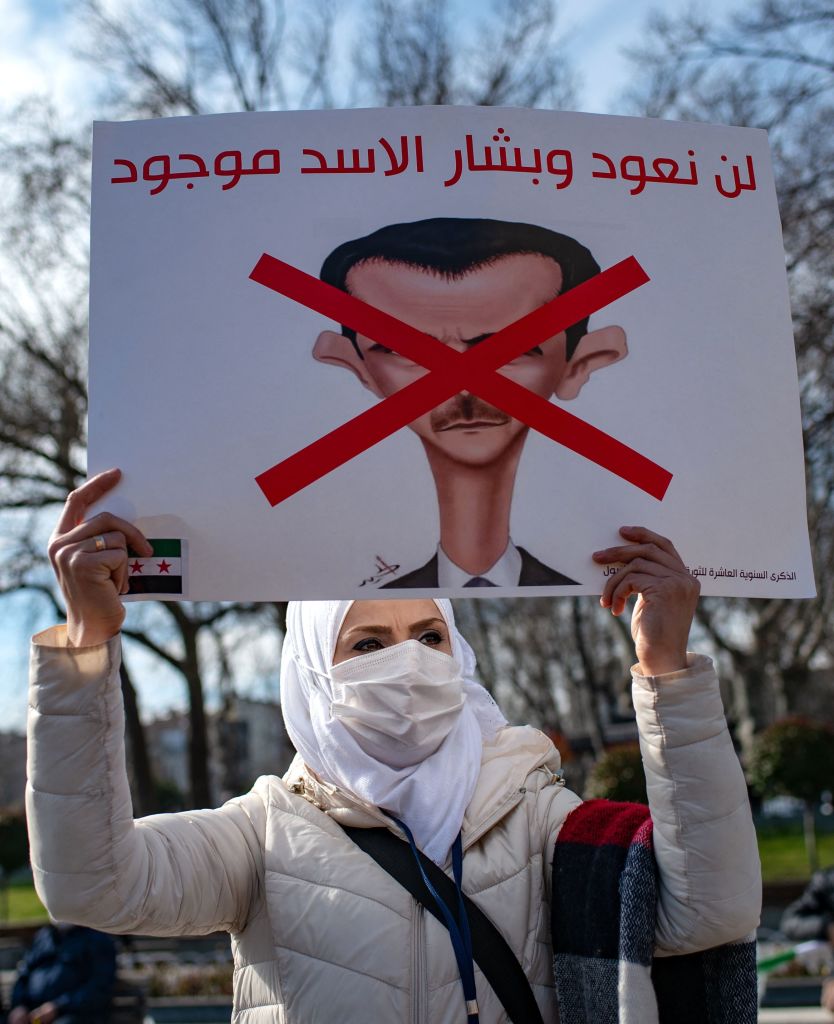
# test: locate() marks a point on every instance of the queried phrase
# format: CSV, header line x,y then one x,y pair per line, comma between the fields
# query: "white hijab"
x,y
430,797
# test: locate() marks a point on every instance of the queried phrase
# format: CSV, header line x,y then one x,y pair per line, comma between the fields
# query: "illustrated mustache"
x,y
463,409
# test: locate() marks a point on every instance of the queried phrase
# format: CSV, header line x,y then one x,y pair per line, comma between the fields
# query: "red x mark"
x,y
452,372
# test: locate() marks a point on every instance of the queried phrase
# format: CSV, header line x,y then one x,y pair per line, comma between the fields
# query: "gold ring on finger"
x,y
101,543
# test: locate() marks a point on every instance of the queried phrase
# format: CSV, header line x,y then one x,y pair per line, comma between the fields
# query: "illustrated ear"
x,y
337,350
595,350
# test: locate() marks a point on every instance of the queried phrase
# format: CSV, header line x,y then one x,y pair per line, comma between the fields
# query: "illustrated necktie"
x,y
479,581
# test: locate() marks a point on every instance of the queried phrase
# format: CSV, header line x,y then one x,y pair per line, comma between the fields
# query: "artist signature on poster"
x,y
383,571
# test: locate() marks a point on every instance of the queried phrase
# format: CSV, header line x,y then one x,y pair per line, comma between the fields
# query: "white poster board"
x,y
207,373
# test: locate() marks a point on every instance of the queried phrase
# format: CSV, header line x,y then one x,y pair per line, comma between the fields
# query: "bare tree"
x,y
772,66
560,665
416,56
43,405
190,57
206,56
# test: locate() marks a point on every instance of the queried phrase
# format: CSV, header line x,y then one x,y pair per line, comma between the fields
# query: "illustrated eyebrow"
x,y
469,342
483,337
378,346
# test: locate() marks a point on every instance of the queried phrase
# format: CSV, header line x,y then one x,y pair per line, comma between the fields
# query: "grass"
x,y
19,904
784,857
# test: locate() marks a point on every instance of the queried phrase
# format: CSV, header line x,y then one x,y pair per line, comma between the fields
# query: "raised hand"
x,y
89,557
666,597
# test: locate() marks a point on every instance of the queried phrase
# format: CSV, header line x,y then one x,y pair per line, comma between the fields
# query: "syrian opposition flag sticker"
x,y
159,574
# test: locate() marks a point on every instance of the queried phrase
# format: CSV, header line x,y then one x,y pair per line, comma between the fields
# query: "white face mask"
x,y
400,703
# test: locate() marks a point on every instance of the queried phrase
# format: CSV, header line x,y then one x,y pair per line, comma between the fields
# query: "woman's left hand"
x,y
666,597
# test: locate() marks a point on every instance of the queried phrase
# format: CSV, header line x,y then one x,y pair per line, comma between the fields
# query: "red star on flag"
x,y
136,566
163,565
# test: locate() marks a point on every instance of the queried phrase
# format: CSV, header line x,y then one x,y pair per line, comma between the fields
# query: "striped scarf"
x,y
603,925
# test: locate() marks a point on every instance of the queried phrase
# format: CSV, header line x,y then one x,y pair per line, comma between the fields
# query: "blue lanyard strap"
x,y
458,931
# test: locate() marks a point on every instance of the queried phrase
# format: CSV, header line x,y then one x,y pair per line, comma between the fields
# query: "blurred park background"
x,y
200,681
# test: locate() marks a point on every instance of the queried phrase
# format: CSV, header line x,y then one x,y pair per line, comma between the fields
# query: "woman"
x,y
392,732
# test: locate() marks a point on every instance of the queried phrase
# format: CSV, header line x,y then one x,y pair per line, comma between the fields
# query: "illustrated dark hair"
x,y
453,246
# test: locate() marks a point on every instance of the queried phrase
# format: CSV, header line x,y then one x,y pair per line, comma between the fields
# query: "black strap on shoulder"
x,y
492,954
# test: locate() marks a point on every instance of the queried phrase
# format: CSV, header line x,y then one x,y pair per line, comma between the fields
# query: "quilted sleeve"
x,y
172,874
704,839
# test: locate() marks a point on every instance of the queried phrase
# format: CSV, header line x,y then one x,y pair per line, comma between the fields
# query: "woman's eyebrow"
x,y
368,629
425,623
387,630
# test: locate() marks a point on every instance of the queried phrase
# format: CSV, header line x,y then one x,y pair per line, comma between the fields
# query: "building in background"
x,y
246,739
12,770
167,740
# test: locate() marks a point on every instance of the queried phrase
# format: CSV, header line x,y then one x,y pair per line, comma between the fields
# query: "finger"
x,y
628,553
678,589
643,535
125,577
113,558
633,583
82,497
106,522
612,584
102,541
640,565
114,540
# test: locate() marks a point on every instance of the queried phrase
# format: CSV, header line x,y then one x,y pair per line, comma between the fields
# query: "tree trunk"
x,y
189,665
144,794
198,769
745,725
478,634
592,687
810,831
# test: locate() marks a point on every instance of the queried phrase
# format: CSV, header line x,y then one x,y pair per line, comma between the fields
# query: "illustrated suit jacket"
x,y
533,574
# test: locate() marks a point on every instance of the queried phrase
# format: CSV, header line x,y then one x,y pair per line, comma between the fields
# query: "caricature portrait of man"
x,y
460,280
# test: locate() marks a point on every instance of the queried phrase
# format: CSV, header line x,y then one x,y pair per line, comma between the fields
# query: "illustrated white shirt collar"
x,y
504,573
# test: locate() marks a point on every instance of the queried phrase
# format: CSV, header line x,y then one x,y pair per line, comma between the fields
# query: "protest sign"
x,y
442,351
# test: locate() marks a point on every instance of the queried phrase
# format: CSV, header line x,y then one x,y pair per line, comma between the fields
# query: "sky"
x,y
34,53
36,56
37,39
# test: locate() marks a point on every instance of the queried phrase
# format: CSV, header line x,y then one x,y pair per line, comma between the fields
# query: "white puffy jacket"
x,y
320,933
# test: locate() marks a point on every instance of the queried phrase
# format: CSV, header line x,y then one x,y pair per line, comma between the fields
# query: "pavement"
x,y
795,1015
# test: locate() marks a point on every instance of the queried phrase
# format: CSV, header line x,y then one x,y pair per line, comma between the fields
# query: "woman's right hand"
x,y
89,557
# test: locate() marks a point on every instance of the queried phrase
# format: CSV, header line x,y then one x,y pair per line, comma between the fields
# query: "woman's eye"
x,y
369,644
432,638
